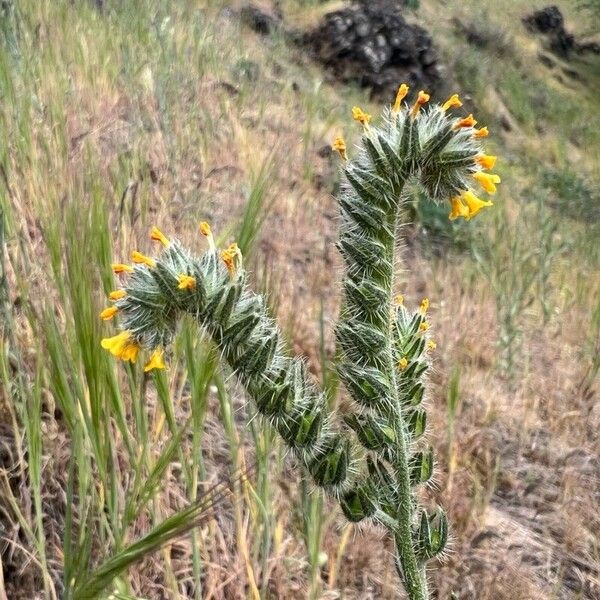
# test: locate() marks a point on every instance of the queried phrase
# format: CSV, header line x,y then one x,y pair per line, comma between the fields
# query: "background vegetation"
x,y
168,113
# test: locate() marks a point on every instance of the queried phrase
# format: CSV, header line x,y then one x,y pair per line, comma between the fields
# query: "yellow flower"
x,y
402,92
458,209
206,231
431,345
481,133
424,326
121,268
399,299
158,236
485,161
403,363
424,305
422,98
340,146
117,295
122,346
108,313
452,102
466,122
359,115
487,181
474,204
232,257
141,259
156,361
186,282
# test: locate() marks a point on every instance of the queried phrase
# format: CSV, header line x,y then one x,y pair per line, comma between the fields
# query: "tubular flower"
x,y
474,204
362,117
156,361
399,299
117,295
481,133
402,92
486,161
121,268
158,236
403,363
232,258
422,98
141,259
122,346
108,313
186,282
339,145
466,122
452,102
458,209
431,345
487,181
424,326
424,305
206,231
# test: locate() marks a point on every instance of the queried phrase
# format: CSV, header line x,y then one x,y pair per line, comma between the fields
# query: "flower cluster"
x,y
455,142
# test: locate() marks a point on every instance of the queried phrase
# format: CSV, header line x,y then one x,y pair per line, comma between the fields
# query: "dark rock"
x,y
551,23
260,20
372,44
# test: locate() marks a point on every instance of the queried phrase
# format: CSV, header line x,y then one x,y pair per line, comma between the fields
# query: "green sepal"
x,y
421,466
366,214
432,534
369,187
224,309
302,427
417,423
363,251
414,396
378,159
436,143
354,336
372,432
358,504
383,482
368,386
330,466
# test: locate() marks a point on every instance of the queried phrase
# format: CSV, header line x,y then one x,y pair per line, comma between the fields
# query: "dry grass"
x,y
154,124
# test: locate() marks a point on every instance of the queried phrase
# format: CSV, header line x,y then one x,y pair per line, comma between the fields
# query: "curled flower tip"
x,y
487,181
108,313
339,145
398,299
158,236
206,231
424,305
121,268
422,98
117,295
468,121
486,161
232,257
186,282
122,346
156,361
474,204
452,102
403,363
424,326
362,117
431,345
402,93
481,133
142,259
458,209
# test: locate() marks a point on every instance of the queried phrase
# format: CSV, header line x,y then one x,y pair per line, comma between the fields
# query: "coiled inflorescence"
x,y
374,457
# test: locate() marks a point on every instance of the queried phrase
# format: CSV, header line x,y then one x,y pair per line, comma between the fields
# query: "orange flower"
x,y
452,102
486,161
339,145
422,98
466,122
117,295
474,204
232,257
121,268
141,259
403,363
487,181
362,117
458,209
481,133
122,346
108,313
186,282
158,236
156,361
402,92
